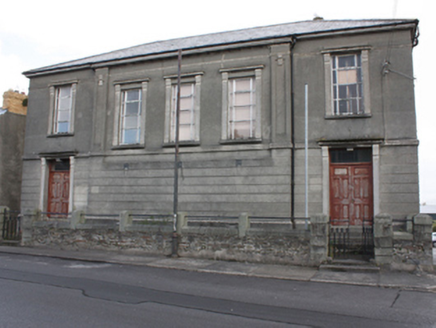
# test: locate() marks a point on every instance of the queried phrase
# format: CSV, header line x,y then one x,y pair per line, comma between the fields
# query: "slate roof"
x,y
296,29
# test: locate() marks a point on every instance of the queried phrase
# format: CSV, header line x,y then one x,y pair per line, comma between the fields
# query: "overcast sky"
x,y
44,32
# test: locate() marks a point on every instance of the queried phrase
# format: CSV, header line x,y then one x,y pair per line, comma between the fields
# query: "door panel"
x,y
58,191
351,193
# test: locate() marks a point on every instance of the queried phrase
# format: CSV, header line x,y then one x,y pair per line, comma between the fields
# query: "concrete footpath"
x,y
370,276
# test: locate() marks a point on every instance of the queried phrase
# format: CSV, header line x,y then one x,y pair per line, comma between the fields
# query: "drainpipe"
x,y
174,246
294,41
306,154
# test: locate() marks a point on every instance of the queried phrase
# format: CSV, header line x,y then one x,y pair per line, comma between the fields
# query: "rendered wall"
x,y
223,179
12,128
391,123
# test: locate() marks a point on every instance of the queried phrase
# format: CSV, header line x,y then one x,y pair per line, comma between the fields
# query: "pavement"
x,y
351,275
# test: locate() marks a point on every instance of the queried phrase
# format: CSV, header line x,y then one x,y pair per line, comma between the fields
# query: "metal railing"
x,y
56,215
11,229
110,217
167,219
348,241
152,219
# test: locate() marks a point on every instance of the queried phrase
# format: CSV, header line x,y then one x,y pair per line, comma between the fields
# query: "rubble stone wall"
x,y
152,242
256,246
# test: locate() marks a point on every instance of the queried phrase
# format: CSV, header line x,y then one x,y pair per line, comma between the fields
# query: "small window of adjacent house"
x,y
347,85
187,128
130,129
63,109
242,108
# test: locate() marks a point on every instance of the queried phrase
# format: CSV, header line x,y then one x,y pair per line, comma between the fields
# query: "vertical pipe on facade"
x,y
306,155
176,155
294,40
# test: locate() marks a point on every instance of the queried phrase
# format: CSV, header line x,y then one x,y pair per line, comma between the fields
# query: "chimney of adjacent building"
x,y
15,102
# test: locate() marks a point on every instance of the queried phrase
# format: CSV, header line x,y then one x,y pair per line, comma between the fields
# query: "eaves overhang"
x,y
159,55
410,24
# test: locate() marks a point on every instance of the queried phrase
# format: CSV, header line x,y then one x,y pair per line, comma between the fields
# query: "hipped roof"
x,y
293,30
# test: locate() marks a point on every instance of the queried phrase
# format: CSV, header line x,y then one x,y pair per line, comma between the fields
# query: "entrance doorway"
x,y
351,204
351,190
58,187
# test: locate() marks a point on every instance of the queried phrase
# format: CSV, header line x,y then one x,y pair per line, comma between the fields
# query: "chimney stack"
x,y
15,102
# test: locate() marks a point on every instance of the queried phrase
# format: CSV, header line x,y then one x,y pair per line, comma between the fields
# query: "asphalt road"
x,y
48,292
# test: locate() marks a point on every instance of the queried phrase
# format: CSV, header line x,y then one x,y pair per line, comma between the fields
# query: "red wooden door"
x,y
351,193
58,190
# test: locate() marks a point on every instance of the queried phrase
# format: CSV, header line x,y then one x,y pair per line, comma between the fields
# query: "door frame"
x,y
45,174
325,153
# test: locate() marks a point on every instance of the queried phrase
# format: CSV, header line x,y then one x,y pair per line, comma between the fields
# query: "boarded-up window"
x,y
347,84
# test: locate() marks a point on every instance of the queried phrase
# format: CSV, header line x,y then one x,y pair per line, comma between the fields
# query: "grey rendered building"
x,y
12,127
101,132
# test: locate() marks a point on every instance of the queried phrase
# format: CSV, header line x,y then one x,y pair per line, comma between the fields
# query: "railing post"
x,y
3,213
182,221
77,217
125,220
243,224
422,229
27,225
319,238
383,239
409,223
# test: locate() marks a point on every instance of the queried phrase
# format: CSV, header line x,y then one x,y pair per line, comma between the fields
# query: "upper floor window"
x,y
187,112
62,109
241,104
347,82
242,108
130,127
129,114
189,126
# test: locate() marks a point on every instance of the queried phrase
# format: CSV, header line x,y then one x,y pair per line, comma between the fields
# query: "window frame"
x,y
124,117
229,78
121,89
54,120
351,74
329,70
193,79
234,109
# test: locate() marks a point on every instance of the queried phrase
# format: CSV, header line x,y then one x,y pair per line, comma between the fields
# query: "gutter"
x,y
356,30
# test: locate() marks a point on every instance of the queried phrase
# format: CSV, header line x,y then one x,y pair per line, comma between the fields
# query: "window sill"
x,y
342,117
132,146
240,141
182,144
56,135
